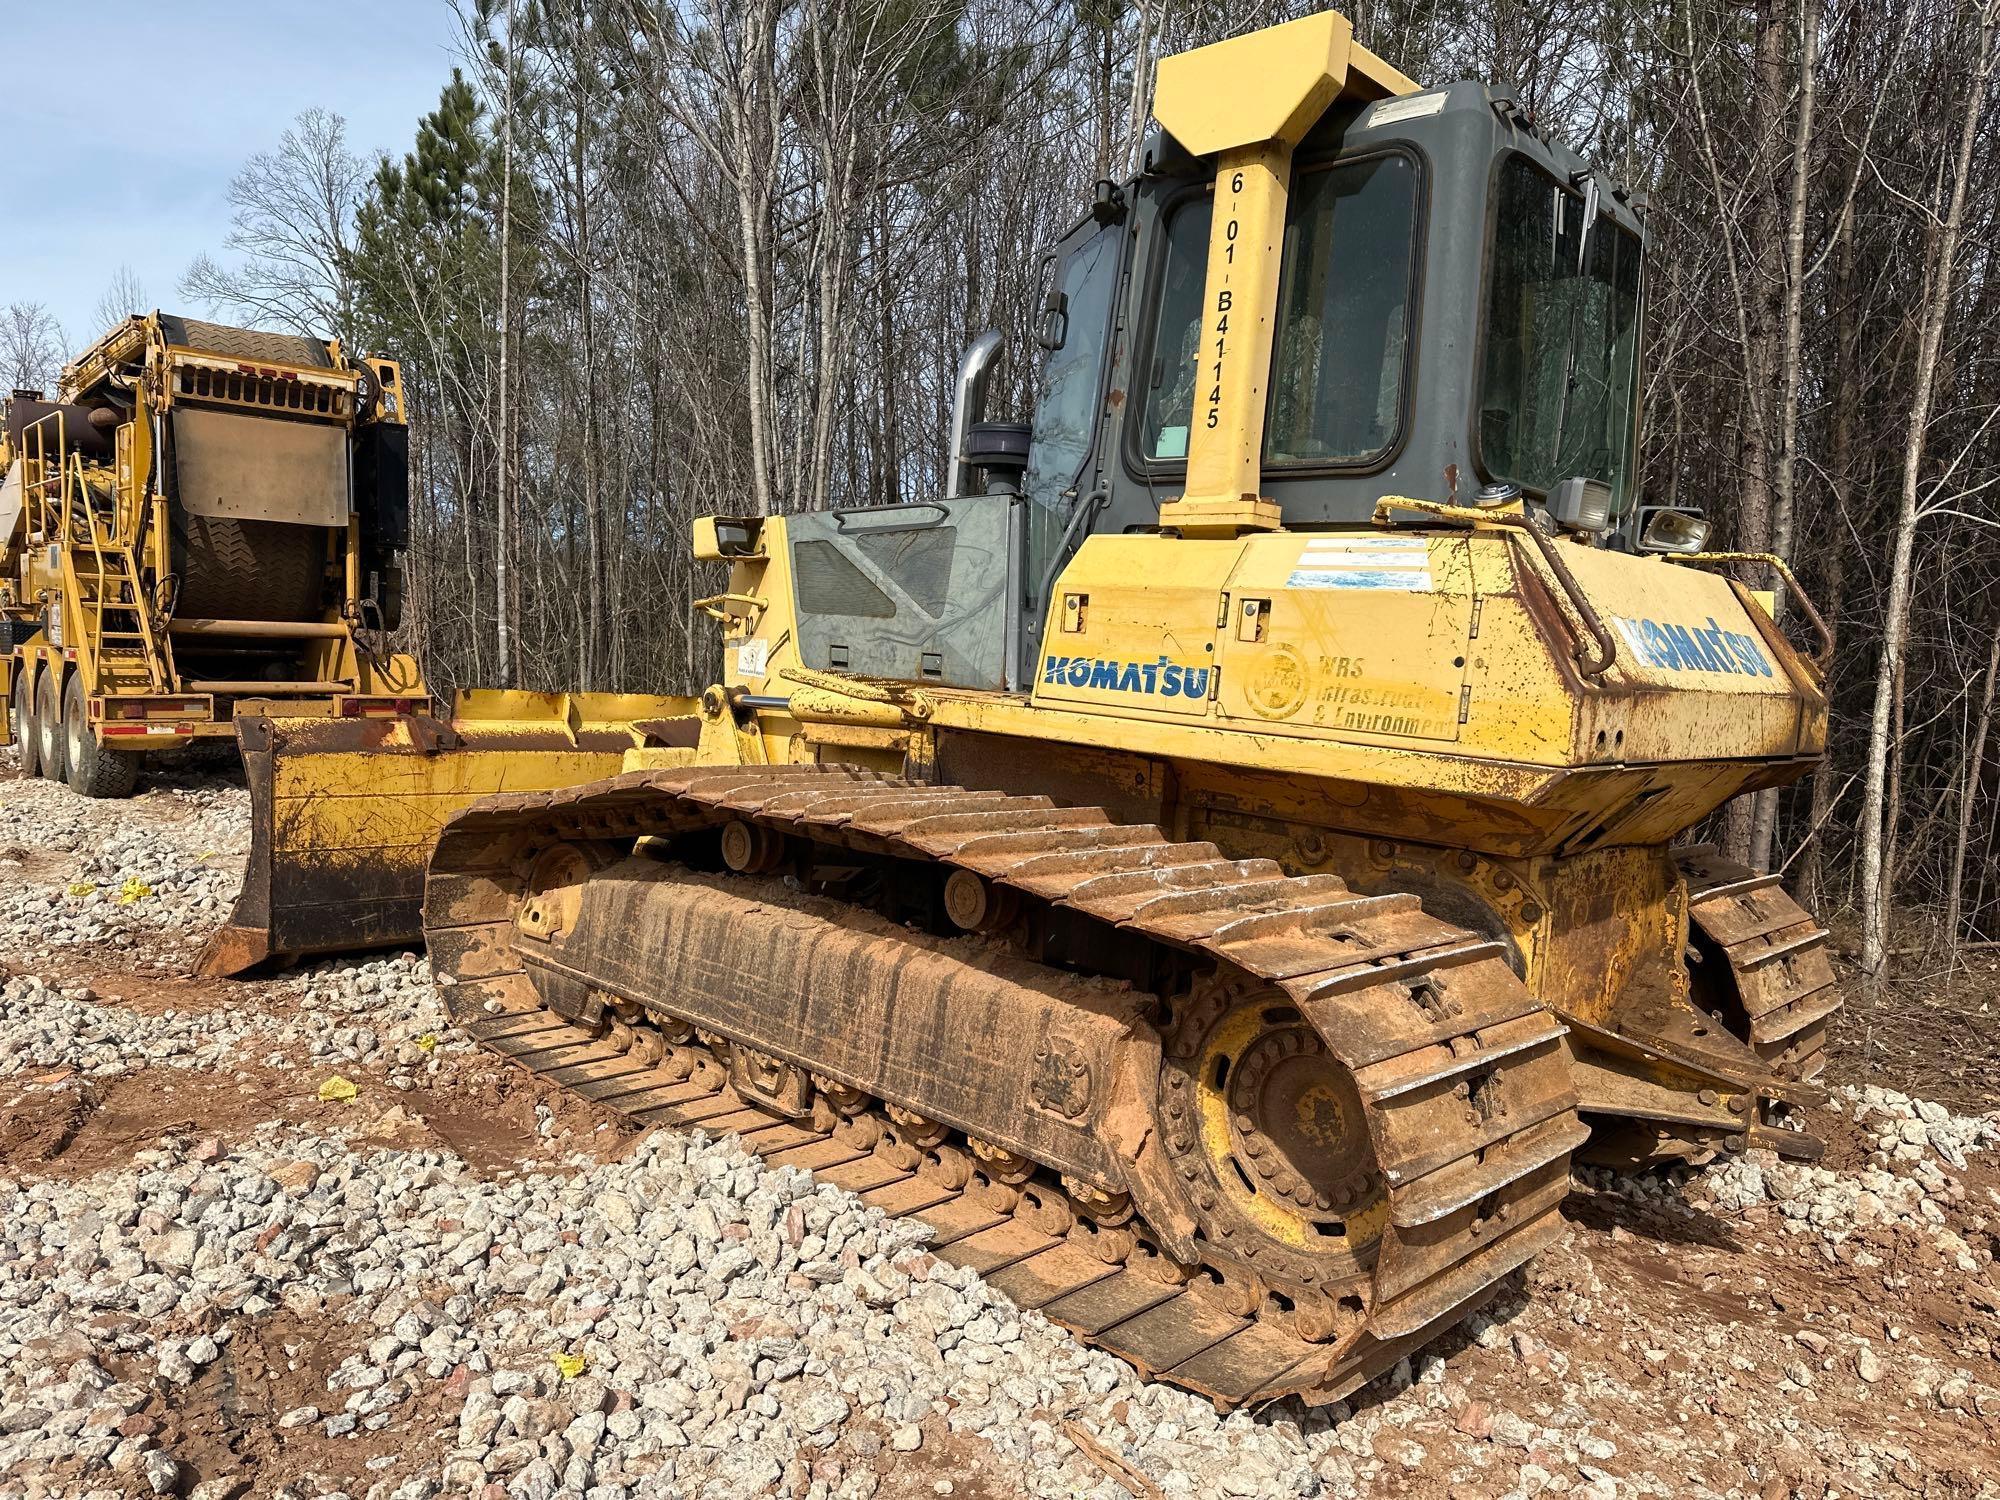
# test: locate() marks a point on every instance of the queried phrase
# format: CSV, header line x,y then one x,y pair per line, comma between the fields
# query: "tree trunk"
x,y
1968,796
1751,260
1841,459
503,535
1764,824
754,105
1876,808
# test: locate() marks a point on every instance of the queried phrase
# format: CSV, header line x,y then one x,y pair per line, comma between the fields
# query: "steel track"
x,y
1463,1074
1776,957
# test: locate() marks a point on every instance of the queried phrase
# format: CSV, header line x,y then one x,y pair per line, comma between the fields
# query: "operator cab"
x,y
1445,322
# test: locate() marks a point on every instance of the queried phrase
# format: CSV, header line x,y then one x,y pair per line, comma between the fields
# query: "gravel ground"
x,y
293,1237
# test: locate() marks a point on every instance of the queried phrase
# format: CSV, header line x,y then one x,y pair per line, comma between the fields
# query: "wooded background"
x,y
648,261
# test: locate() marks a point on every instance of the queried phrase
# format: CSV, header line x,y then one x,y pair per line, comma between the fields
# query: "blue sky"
x,y
106,167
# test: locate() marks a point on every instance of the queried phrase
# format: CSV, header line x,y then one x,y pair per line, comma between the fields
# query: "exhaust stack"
x,y
968,405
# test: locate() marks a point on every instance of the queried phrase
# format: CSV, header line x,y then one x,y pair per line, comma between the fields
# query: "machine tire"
x,y
249,570
94,770
27,738
48,724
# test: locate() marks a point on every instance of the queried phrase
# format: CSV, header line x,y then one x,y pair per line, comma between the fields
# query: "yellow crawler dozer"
x,y
1215,863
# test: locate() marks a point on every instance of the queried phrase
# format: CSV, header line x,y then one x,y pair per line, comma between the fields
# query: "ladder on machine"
x,y
100,538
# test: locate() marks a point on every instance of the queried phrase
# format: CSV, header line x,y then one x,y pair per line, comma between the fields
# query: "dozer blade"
x,y
345,812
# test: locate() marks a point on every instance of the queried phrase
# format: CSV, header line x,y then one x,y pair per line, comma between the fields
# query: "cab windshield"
x,y
1341,354
1562,332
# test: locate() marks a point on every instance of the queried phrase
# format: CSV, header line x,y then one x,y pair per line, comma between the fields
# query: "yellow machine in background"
x,y
203,524
1215,864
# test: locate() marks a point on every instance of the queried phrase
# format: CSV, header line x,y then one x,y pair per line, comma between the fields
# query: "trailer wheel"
x,y
22,709
94,769
48,723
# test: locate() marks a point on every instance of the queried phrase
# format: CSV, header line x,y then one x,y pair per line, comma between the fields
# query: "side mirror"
x,y
1669,530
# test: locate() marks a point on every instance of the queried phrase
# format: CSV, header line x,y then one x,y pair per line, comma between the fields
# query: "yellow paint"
x,y
1376,665
1268,85
1459,637
578,717
383,807
367,799
1587,924
1317,1116
1233,355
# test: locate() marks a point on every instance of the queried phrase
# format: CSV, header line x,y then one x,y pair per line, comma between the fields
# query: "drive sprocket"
x,y
1269,1133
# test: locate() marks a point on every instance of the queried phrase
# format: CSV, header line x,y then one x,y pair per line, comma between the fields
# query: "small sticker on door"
x,y
753,657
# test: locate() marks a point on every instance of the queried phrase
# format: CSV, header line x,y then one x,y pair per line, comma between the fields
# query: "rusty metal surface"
x,y
344,814
906,1019
1462,1111
1764,956
246,466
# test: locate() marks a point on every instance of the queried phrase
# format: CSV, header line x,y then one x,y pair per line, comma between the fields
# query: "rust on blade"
x,y
344,813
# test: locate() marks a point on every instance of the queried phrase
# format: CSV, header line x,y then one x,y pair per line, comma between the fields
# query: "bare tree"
x,y
125,296
291,236
1943,234
1968,796
505,587
32,346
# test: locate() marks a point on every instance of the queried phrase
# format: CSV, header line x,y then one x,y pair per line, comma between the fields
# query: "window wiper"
x,y
1587,181
1568,380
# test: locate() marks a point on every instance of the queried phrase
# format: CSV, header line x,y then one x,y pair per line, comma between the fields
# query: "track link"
x,y
1762,952
1462,1074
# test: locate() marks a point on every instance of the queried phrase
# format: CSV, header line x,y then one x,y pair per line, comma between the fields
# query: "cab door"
x,y
1069,405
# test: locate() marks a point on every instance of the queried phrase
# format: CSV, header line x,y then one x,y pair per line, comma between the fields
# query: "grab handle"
x,y
1823,662
943,515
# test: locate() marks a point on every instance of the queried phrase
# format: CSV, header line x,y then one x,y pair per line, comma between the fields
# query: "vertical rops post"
x,y
1248,102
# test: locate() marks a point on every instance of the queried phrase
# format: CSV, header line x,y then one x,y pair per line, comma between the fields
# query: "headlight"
x,y
1674,531
1581,504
